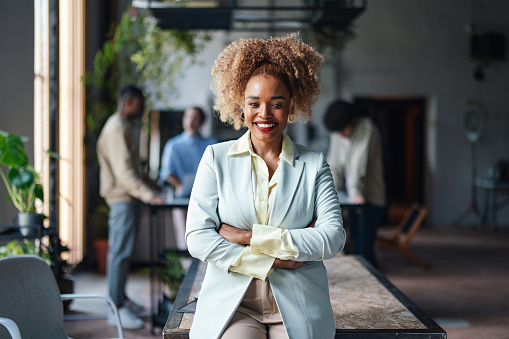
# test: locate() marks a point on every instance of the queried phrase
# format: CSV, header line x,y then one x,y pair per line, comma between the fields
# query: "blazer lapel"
x,y
287,186
239,178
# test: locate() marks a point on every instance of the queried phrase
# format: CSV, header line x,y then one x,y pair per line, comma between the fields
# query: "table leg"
x,y
153,311
486,211
494,210
358,243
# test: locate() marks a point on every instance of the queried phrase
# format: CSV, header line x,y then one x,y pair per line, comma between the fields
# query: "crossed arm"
x,y
243,237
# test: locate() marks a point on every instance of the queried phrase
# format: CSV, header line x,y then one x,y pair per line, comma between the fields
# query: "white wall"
x,y
16,80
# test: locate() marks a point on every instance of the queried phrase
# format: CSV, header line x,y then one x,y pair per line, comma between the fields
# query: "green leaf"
x,y
21,179
13,151
3,141
53,154
39,192
30,247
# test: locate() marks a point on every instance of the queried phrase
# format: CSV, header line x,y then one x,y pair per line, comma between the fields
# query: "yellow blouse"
x,y
267,242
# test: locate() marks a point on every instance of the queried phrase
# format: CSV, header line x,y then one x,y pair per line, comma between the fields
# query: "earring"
x,y
291,116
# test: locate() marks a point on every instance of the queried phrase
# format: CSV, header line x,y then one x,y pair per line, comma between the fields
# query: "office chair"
x,y
30,301
400,240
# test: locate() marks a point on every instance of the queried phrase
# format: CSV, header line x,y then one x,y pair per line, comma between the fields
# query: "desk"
x,y
157,247
491,206
365,303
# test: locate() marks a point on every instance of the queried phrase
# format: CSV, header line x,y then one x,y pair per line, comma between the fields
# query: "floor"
x,y
465,290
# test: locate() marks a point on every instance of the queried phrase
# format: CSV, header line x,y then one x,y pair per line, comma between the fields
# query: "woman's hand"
x,y
287,264
291,264
358,199
312,223
235,235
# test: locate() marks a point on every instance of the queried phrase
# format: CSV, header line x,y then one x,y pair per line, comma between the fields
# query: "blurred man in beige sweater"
x,y
121,185
355,159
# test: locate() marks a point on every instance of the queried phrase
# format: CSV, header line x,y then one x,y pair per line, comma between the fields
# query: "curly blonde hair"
x,y
286,58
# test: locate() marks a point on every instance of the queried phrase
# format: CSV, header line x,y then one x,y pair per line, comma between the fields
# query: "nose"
x,y
264,110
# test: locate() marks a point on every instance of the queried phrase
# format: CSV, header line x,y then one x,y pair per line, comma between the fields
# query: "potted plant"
x,y
16,247
99,223
22,183
169,272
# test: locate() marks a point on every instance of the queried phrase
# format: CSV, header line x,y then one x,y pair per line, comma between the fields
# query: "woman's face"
x,y
267,105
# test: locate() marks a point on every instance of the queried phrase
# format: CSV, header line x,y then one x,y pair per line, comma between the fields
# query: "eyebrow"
x,y
278,97
272,98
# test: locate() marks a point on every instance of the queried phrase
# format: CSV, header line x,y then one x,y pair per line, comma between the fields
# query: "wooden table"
x,y
365,304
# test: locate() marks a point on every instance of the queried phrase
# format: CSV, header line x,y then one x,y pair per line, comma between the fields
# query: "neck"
x,y
268,149
192,133
124,115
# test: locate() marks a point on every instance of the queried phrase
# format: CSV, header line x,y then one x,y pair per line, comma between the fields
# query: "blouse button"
x,y
261,198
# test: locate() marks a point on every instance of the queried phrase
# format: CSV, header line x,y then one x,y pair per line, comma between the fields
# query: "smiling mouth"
x,y
265,125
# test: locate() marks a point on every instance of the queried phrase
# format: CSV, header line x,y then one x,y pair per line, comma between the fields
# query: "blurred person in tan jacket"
x,y
122,185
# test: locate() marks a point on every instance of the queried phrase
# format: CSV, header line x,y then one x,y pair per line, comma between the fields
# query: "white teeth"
x,y
266,125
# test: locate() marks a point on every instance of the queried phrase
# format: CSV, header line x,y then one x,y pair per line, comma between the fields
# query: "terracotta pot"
x,y
101,253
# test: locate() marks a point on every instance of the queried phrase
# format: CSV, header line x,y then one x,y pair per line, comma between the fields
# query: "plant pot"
x,y
30,224
163,310
101,253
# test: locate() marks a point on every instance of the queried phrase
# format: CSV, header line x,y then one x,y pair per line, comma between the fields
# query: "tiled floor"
x,y
465,290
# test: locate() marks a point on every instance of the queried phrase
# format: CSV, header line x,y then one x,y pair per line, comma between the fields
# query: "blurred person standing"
x,y
121,185
355,158
179,163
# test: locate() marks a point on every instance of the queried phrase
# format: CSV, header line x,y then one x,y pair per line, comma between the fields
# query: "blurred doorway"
x,y
402,127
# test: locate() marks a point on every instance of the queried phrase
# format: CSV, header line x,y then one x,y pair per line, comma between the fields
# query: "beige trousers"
x,y
257,316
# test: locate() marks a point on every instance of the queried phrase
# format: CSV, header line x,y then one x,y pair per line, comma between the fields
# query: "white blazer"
x,y
223,193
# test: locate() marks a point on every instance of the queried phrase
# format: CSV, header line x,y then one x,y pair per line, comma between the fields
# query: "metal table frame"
x,y
157,236
491,205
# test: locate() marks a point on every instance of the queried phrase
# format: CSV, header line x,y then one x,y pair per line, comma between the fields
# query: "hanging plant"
x,y
139,52
328,38
162,57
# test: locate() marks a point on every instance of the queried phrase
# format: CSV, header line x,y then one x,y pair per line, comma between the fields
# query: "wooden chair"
x,y
400,240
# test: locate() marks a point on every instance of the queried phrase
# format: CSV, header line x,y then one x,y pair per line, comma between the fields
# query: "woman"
x,y
263,212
